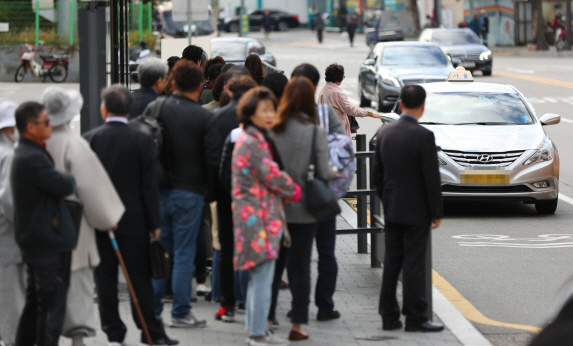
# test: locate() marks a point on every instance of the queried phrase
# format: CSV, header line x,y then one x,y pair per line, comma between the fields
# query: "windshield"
x,y
429,56
229,50
455,38
179,29
475,109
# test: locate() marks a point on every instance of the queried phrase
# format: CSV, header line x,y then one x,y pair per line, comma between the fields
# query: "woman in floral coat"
x,y
258,187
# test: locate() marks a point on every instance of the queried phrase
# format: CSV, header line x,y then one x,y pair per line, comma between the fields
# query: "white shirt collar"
x,y
116,119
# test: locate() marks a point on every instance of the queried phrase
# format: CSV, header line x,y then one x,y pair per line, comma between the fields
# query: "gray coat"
x,y
103,207
293,146
9,251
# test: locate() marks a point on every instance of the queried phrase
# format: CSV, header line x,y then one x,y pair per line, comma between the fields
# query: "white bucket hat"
x,y
7,111
62,105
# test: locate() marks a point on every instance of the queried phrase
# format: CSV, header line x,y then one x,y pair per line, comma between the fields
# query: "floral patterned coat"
x,y
258,187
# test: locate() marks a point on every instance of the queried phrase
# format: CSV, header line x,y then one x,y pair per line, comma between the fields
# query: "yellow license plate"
x,y
484,177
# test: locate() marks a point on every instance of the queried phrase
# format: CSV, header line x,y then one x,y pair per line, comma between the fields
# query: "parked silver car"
x,y
493,145
391,65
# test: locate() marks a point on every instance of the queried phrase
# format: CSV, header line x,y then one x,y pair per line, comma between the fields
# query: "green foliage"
x,y
14,37
147,37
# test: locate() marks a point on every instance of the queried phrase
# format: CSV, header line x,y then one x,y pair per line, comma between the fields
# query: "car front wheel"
x,y
234,27
546,207
283,26
364,102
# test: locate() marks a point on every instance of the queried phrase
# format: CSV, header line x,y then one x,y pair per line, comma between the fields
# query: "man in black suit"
x,y
129,157
408,182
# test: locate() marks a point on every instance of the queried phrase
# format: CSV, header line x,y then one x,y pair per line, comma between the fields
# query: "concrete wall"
x,y
10,60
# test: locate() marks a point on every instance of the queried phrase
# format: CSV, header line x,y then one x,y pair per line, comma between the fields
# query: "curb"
x,y
453,319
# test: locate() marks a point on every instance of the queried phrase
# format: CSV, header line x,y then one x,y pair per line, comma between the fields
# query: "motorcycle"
x,y
53,66
560,37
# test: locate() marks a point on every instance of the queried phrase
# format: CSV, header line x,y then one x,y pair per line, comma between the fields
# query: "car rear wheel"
x,y
546,207
364,102
283,26
234,27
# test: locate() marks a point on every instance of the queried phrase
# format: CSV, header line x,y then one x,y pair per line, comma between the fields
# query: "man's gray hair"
x,y
150,71
117,99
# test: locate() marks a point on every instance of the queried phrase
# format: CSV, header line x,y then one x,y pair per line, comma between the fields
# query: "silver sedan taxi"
x,y
492,143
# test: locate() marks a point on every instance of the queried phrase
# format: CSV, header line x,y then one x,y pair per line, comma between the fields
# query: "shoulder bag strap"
x,y
312,163
158,106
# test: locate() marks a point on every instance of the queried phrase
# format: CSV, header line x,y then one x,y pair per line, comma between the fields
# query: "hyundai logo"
x,y
484,158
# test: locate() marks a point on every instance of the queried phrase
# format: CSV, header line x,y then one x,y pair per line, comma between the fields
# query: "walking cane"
x,y
130,286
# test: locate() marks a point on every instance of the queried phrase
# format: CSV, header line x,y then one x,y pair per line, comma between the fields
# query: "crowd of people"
x,y
225,187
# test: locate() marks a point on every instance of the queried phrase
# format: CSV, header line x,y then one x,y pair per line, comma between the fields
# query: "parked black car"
x,y
282,21
382,26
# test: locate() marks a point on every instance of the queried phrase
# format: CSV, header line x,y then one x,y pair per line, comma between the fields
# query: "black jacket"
x,y
129,157
225,121
186,144
41,221
406,173
141,98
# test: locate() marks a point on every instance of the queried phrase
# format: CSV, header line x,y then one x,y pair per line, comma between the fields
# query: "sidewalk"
x,y
356,298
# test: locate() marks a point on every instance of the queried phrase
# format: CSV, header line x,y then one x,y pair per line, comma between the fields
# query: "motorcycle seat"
x,y
47,56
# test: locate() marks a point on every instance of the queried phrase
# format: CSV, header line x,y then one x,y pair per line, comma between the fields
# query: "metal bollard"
x,y
377,250
361,184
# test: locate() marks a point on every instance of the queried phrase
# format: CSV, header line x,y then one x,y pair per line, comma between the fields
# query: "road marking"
x,y
467,308
566,199
518,70
544,241
535,79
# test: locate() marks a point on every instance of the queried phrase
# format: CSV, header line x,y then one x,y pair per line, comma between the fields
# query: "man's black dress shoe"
x,y
327,316
391,325
427,326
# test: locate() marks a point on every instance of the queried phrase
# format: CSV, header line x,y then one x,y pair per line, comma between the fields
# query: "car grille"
x,y
463,57
470,158
485,189
422,80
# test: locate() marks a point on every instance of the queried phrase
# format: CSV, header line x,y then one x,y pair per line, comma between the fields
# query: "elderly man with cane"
x,y
129,157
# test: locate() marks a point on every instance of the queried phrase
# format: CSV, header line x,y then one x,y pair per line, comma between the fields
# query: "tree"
x,y
539,26
413,9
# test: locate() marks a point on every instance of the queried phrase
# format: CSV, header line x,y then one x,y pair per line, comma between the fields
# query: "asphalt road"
x,y
512,280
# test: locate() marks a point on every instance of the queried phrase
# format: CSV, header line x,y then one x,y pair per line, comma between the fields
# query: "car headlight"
x,y
545,153
485,55
391,81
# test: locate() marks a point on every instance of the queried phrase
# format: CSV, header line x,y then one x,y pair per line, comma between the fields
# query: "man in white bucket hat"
x,y
102,207
12,270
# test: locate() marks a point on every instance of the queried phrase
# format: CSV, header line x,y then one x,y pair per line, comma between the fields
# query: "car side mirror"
x,y
550,119
456,62
370,62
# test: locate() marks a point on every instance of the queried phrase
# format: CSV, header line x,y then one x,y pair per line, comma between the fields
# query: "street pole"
x,y
568,25
189,32
71,22
438,12
140,20
241,18
37,22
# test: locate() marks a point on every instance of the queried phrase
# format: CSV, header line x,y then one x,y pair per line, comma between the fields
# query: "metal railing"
x,y
365,190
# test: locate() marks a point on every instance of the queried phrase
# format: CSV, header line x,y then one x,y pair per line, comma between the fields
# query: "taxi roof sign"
x,y
460,75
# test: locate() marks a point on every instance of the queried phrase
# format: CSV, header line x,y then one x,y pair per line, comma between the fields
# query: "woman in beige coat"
x,y
102,207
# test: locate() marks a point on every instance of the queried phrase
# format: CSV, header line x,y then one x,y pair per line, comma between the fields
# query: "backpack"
x,y
149,123
340,153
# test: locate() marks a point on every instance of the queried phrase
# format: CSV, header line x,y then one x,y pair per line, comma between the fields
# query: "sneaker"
x,y
327,316
266,341
208,297
189,321
241,308
115,343
165,341
283,285
225,314
202,290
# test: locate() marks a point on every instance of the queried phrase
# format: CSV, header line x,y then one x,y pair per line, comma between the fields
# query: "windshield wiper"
x,y
484,123
432,123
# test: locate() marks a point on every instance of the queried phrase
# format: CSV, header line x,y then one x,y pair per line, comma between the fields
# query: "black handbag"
x,y
76,209
353,123
160,266
321,201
